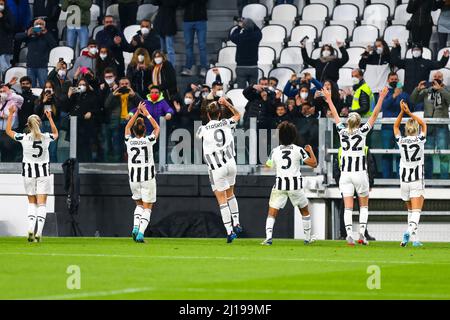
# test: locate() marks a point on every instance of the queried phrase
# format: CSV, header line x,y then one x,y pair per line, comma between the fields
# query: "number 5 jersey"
x,y
36,159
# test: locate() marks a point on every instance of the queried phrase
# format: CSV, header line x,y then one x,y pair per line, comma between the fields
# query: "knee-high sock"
x,y
413,235
145,220
32,208
348,221
234,209
226,217
413,223
307,227
41,215
269,227
137,216
363,217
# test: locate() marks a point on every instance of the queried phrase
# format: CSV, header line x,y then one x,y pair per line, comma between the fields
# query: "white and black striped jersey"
x,y
36,159
141,166
287,161
411,157
218,142
353,156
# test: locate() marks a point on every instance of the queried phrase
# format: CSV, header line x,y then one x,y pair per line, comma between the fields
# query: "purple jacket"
x,y
156,110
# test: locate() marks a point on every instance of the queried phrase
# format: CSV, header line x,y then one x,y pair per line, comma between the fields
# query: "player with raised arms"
x,y
35,168
141,169
353,164
218,152
412,185
287,158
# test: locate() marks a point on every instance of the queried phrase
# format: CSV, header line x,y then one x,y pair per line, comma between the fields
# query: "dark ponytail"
x,y
139,127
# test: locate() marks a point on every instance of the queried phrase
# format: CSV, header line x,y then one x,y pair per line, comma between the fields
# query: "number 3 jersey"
x,y
36,159
141,166
218,142
411,159
353,156
287,161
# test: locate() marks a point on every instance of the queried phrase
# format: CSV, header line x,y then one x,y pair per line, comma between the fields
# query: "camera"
x,y
75,90
123,90
37,29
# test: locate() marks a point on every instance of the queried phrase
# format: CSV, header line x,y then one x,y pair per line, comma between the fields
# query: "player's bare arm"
x,y
398,121
131,123
145,112
48,113
405,108
331,105
236,115
312,160
377,109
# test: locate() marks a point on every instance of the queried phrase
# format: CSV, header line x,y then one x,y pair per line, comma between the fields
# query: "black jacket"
x,y
28,106
151,41
326,70
416,69
421,12
185,118
373,59
101,65
257,108
168,81
247,42
51,12
82,103
39,50
6,32
194,10
140,79
165,21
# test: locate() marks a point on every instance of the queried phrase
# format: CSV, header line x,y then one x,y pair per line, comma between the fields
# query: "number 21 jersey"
x,y
141,166
353,154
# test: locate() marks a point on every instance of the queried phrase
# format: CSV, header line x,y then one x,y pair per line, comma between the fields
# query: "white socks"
x,y
32,208
269,227
307,227
234,209
41,215
363,217
226,217
348,221
413,221
145,220
137,216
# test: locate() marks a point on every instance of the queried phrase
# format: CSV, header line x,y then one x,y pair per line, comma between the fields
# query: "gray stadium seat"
x,y
361,4
145,11
239,101
390,3
225,74
283,75
66,53
257,12
426,53
377,15
331,34
299,32
291,57
400,15
441,53
273,36
354,55
266,57
396,32
284,14
12,72
130,31
345,77
364,35
345,15
315,15
328,3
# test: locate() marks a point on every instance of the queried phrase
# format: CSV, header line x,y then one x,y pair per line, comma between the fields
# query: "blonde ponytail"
x,y
34,126
354,121
411,127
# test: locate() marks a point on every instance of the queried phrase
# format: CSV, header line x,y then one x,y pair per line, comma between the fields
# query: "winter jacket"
x,y
13,99
194,10
247,42
39,47
373,59
51,12
82,103
256,107
113,106
436,103
85,7
61,85
165,21
84,60
391,105
140,79
326,69
168,81
21,13
421,12
101,65
6,32
292,89
28,106
156,109
151,41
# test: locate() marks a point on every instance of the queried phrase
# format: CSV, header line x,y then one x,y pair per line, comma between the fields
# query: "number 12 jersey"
x,y
411,157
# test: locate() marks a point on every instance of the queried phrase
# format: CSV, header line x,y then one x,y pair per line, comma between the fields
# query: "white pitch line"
x,y
341,294
222,258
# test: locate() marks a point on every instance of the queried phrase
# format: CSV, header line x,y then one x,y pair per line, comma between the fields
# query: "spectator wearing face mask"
x,y
260,105
215,94
320,102
165,24
51,10
416,68
61,85
328,65
39,42
292,87
308,126
138,71
87,59
29,102
436,99
187,112
105,60
74,32
363,98
146,38
164,76
6,37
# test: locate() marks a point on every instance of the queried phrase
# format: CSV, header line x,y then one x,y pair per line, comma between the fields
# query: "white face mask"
x,y
141,58
219,93
304,95
109,81
379,50
93,51
82,88
145,31
355,80
205,94
188,101
61,73
326,53
3,96
103,56
2,7
158,60
416,53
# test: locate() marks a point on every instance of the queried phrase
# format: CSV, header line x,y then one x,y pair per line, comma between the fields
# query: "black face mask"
x,y
26,89
110,28
393,84
438,81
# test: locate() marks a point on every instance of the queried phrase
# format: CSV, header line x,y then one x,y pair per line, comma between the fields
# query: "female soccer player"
x,y
35,168
412,185
141,169
287,158
353,164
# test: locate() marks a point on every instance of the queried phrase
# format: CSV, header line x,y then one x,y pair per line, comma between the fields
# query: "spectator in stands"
x,y
320,102
416,68
127,12
51,10
443,22
8,147
87,59
308,126
260,105
247,37
39,42
273,82
165,24
195,22
118,106
20,9
378,55
84,105
77,32
363,98
281,115
104,61
138,71
146,38
292,87
29,103
113,39
328,65
187,111
436,99
214,95
391,109
6,37
163,75
49,101
61,85
293,109
420,24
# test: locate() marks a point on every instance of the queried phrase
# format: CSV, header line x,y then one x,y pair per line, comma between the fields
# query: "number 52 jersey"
x,y
141,166
353,156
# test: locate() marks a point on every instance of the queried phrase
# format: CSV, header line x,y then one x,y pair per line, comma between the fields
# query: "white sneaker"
x,y
203,72
187,72
350,241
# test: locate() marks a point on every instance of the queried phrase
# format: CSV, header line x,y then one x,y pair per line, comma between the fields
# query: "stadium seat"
x,y
377,15
354,55
396,32
299,32
266,58
283,75
12,72
284,14
441,53
127,56
345,77
364,35
401,75
239,101
66,53
113,10
315,15
62,23
268,3
427,53
95,13
36,91
328,3
225,74
400,15
22,57
345,15
391,4
145,11
226,57
331,34
130,31
361,4
446,73
256,11
435,16
291,57
273,36
96,30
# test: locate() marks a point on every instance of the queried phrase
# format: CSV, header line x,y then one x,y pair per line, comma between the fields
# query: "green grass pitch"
x,y
118,268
